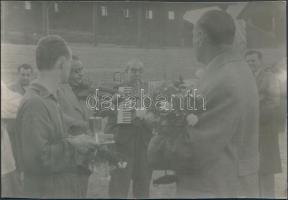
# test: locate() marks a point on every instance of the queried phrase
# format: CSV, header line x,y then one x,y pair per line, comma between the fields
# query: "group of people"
x,y
232,151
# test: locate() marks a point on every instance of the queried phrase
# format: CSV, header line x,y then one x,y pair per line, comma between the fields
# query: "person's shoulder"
x,y
32,102
64,88
12,86
267,74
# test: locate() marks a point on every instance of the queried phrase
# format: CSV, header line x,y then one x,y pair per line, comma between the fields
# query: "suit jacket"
x,y
73,110
269,94
127,135
223,145
270,115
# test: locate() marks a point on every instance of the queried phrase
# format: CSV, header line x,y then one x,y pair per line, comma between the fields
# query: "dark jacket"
x,y
270,115
47,158
126,135
223,145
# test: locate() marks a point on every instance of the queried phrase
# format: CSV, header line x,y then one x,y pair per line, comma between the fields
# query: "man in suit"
x,y
76,117
76,113
270,109
131,142
218,156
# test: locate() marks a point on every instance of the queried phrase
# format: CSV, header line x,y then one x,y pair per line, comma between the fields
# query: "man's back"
x,y
39,119
223,146
231,120
231,85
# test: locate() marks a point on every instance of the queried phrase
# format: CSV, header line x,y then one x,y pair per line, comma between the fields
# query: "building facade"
x,y
151,24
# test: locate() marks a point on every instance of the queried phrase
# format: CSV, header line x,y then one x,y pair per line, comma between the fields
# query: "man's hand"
x,y
82,143
80,124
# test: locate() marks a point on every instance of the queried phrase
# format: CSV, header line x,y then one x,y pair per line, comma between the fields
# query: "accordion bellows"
x,y
125,113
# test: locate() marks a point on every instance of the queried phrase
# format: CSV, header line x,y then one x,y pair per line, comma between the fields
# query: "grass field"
x,y
101,61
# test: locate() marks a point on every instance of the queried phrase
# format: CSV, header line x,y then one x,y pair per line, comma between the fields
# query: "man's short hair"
x,y
219,26
48,50
24,66
251,52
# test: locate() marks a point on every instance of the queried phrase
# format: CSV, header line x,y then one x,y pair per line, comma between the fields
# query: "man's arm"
x,y
72,122
210,136
202,143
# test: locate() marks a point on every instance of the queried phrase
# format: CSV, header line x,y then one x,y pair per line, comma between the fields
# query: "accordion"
x,y
125,114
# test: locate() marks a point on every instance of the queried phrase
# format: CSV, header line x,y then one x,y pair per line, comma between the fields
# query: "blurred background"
x,y
105,35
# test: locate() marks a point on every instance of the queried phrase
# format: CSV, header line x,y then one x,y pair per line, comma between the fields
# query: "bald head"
x,y
219,26
214,30
134,69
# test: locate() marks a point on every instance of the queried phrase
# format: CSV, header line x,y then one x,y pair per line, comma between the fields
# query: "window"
x,y
126,13
56,8
104,11
171,15
149,14
27,5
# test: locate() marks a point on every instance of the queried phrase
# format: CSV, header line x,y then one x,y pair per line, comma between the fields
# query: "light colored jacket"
x,y
214,155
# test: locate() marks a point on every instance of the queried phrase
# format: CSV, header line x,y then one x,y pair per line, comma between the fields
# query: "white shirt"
x,y
9,105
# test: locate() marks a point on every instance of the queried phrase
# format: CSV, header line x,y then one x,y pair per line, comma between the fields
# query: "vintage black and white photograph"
x,y
143,99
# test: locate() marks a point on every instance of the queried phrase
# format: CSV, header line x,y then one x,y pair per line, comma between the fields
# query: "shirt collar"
x,y
42,90
226,55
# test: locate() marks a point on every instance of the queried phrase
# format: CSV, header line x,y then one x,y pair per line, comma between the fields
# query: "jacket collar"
x,y
42,91
227,55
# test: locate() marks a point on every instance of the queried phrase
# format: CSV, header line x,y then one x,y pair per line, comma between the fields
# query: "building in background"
x,y
145,24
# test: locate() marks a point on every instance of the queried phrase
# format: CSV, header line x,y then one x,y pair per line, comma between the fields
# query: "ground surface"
x,y
100,62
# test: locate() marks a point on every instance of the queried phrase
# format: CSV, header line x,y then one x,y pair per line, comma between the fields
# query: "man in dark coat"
x,y
47,152
131,142
76,117
269,93
218,156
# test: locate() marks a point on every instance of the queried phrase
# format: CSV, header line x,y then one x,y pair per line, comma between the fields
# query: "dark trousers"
x,y
137,171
